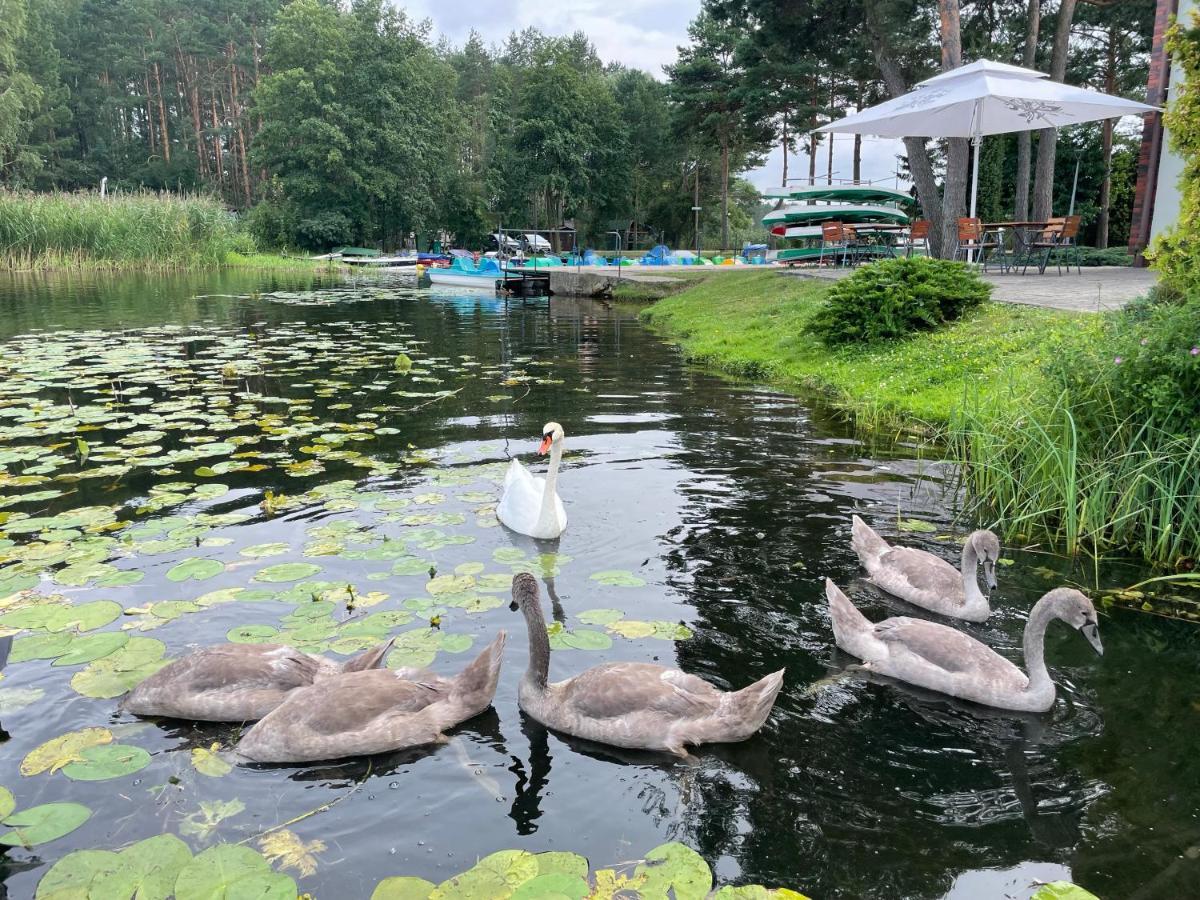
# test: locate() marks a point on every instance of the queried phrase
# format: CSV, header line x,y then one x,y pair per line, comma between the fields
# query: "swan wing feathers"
x,y
923,571
239,666
351,702
945,648
617,689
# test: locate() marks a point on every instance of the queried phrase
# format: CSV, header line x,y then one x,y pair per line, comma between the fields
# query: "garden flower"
x,y
1196,351
1144,342
1116,360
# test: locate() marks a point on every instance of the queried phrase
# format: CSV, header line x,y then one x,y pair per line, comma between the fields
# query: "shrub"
x,y
895,297
1109,256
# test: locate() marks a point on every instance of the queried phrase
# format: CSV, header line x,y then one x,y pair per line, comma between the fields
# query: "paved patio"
x,y
1097,290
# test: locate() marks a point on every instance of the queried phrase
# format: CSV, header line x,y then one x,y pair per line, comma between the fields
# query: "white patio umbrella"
x,y
981,98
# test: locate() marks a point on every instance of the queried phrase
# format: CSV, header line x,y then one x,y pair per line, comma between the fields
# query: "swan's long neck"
x,y
1035,640
970,576
546,515
539,643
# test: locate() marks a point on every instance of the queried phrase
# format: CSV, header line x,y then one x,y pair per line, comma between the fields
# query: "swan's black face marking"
x,y
1090,629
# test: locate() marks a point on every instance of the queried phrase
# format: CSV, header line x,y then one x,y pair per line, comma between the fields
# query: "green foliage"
x,y
1103,451
67,230
1109,256
896,297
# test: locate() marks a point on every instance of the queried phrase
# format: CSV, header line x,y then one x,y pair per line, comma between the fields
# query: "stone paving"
x,y
1097,290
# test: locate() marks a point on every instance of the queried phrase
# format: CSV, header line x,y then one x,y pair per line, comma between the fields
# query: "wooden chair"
x,y
1068,243
972,240
918,233
1047,241
835,241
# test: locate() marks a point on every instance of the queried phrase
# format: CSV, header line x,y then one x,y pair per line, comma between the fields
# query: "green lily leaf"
x,y
195,569
617,578
284,572
231,871
103,762
42,824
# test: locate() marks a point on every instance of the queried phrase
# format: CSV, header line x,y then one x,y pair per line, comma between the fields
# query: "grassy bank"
x,y
752,324
146,231
1074,429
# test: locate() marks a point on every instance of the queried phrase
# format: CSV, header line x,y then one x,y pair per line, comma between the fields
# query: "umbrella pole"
x,y
975,142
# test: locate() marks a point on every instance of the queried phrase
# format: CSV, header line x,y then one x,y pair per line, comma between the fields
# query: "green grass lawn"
x,y
752,324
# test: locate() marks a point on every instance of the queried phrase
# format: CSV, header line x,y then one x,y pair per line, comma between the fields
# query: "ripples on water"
x,y
732,503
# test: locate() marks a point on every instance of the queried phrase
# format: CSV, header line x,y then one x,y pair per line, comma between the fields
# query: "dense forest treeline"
x,y
348,122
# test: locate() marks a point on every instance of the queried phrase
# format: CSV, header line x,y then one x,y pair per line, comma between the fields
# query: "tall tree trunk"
x,y
1025,138
829,155
958,150
149,111
192,90
856,174
919,163
812,159
218,154
162,114
1043,180
1106,142
783,183
724,192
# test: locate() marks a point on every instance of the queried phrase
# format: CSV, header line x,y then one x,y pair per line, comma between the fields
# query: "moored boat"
x,y
464,273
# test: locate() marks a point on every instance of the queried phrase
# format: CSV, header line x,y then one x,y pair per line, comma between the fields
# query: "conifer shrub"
x,y
895,297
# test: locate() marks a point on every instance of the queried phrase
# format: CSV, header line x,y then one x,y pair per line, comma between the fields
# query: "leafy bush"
x,y
1144,366
895,297
1109,256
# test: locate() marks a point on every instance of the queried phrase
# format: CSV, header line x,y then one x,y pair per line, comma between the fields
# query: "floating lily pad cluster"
x,y
669,870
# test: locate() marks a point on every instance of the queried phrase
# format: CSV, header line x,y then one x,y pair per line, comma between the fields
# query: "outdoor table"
x,y
1021,232
878,230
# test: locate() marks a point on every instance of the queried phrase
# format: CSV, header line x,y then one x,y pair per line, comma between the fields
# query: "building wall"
x,y
1154,145
1170,166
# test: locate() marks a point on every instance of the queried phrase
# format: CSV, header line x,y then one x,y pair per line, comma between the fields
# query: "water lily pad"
x,y
617,578
195,569
231,872
42,824
252,634
584,639
756,892
258,551
558,885
1062,890
600,616
411,565
403,887
284,572
496,875
71,878
7,803
632,629
40,646
146,870
103,762
456,643
90,647
916,526
449,584
678,868
207,762
67,748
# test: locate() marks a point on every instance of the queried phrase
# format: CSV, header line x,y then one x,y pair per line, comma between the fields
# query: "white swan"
x,y
531,505
940,658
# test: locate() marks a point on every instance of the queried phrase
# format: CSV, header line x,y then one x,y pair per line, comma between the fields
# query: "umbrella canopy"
x,y
985,97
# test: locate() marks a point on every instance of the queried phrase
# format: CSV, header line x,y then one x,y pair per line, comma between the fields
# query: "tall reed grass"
x,y
1031,465
143,230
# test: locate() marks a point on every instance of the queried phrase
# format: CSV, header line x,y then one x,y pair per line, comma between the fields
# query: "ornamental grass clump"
x,y
897,297
1105,453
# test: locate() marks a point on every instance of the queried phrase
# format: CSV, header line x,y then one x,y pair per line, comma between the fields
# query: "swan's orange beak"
x,y
547,440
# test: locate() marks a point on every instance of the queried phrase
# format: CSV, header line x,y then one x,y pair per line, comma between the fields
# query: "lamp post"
x,y
1075,183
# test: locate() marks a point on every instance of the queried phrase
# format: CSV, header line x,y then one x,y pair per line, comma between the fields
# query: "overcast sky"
x,y
641,34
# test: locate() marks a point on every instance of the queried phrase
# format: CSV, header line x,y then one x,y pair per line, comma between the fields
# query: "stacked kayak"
x,y
806,209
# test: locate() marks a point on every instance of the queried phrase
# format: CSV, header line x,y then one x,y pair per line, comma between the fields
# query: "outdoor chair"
x,y
976,244
1047,241
836,241
1068,244
917,237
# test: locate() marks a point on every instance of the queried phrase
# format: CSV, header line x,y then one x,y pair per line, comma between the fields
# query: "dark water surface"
x,y
721,506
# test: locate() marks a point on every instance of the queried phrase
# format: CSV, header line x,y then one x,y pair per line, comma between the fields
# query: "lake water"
x,y
701,502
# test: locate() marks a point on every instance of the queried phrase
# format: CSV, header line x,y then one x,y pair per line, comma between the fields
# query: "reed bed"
x,y
1031,466
142,230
